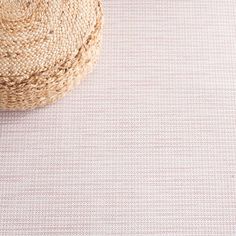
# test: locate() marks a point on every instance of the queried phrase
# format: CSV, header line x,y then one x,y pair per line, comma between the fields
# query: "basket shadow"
x,y
13,117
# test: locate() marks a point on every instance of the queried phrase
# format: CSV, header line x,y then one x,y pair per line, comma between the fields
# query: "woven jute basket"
x,y
46,47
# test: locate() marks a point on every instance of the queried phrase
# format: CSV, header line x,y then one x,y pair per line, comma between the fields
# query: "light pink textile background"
x,y
146,145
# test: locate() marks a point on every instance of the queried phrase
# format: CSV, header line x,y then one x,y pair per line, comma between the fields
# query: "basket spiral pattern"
x,y
46,48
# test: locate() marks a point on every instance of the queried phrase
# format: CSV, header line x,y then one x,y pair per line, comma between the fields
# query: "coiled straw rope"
x,y
46,47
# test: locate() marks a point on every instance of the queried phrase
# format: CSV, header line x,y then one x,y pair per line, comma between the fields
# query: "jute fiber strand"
x,y
46,47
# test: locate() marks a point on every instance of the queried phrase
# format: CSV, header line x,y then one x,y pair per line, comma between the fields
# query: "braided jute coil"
x,y
46,47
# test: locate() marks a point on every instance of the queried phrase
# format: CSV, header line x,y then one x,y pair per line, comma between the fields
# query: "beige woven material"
x,y
46,47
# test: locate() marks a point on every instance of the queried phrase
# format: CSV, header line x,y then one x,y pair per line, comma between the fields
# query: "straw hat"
x,y
46,47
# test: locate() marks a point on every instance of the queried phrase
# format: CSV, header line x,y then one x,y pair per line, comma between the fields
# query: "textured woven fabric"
x,y
146,145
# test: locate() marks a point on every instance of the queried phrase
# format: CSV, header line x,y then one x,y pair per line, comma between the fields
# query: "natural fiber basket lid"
x,y
46,47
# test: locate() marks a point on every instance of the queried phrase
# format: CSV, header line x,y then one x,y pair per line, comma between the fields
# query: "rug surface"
x,y
146,145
